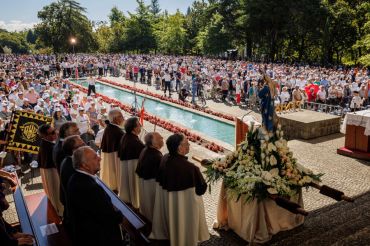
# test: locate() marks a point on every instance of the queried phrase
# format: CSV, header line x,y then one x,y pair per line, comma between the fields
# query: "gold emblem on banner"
x,y
24,133
29,131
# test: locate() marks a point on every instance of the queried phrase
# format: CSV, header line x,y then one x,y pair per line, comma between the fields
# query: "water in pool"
x,y
208,126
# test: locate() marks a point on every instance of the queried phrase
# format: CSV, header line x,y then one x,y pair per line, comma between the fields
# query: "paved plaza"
x,y
328,223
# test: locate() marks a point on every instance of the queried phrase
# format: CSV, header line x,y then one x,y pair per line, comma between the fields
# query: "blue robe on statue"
x,y
267,108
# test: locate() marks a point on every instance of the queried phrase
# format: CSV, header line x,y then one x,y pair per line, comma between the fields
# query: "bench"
x,y
35,211
133,224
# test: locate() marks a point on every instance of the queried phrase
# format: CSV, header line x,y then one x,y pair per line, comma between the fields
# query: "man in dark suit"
x,y
70,144
94,219
67,129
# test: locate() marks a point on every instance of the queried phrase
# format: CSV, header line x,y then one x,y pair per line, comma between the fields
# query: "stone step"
x,y
329,225
340,232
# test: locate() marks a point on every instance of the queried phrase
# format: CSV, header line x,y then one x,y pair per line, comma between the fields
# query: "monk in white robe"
x,y
109,149
147,169
179,214
129,152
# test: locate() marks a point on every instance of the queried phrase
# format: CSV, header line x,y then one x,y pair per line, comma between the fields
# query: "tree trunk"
x,y
337,53
249,48
301,48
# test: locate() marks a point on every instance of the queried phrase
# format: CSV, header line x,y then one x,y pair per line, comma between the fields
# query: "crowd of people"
x,y
89,138
137,171
236,81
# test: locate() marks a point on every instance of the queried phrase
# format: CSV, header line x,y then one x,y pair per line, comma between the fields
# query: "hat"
x,y
104,116
20,93
5,103
74,103
57,109
81,109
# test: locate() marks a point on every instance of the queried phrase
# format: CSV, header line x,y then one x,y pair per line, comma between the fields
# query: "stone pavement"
x,y
328,223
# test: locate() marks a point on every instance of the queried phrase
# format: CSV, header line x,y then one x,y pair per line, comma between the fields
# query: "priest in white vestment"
x,y
109,149
179,214
147,169
129,152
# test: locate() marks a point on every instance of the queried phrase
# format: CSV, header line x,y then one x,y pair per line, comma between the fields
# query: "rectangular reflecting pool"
x,y
211,127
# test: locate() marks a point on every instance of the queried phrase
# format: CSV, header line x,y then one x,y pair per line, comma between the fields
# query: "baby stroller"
x,y
183,94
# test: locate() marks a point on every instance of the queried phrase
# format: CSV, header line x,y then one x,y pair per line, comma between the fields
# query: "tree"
x,y
195,20
154,8
172,34
139,34
115,39
363,44
31,37
103,36
339,32
214,39
62,20
116,16
14,41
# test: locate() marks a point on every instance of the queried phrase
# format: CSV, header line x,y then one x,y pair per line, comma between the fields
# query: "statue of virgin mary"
x,y
267,95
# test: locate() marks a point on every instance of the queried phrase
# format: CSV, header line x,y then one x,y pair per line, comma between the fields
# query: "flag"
x,y
142,113
23,134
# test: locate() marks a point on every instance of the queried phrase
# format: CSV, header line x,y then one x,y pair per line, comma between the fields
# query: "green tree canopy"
x,y
139,36
14,41
171,33
62,20
214,39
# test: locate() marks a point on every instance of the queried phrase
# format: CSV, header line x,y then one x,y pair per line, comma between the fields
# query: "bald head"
x,y
154,140
115,116
86,159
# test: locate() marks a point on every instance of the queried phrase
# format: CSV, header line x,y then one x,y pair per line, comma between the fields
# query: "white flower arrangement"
x,y
262,165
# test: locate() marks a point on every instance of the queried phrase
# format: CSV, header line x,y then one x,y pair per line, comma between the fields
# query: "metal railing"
x,y
326,108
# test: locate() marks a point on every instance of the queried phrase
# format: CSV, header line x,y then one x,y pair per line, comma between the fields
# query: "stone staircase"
x,y
339,224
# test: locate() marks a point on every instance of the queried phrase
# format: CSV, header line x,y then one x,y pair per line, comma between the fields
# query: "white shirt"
x,y
99,137
284,96
167,77
82,123
301,83
356,102
73,112
87,106
12,96
91,81
321,95
19,102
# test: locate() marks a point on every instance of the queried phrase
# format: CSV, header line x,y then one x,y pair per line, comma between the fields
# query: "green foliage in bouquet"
x,y
262,165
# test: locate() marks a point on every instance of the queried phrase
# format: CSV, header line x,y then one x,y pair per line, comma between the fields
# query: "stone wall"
x,y
308,125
